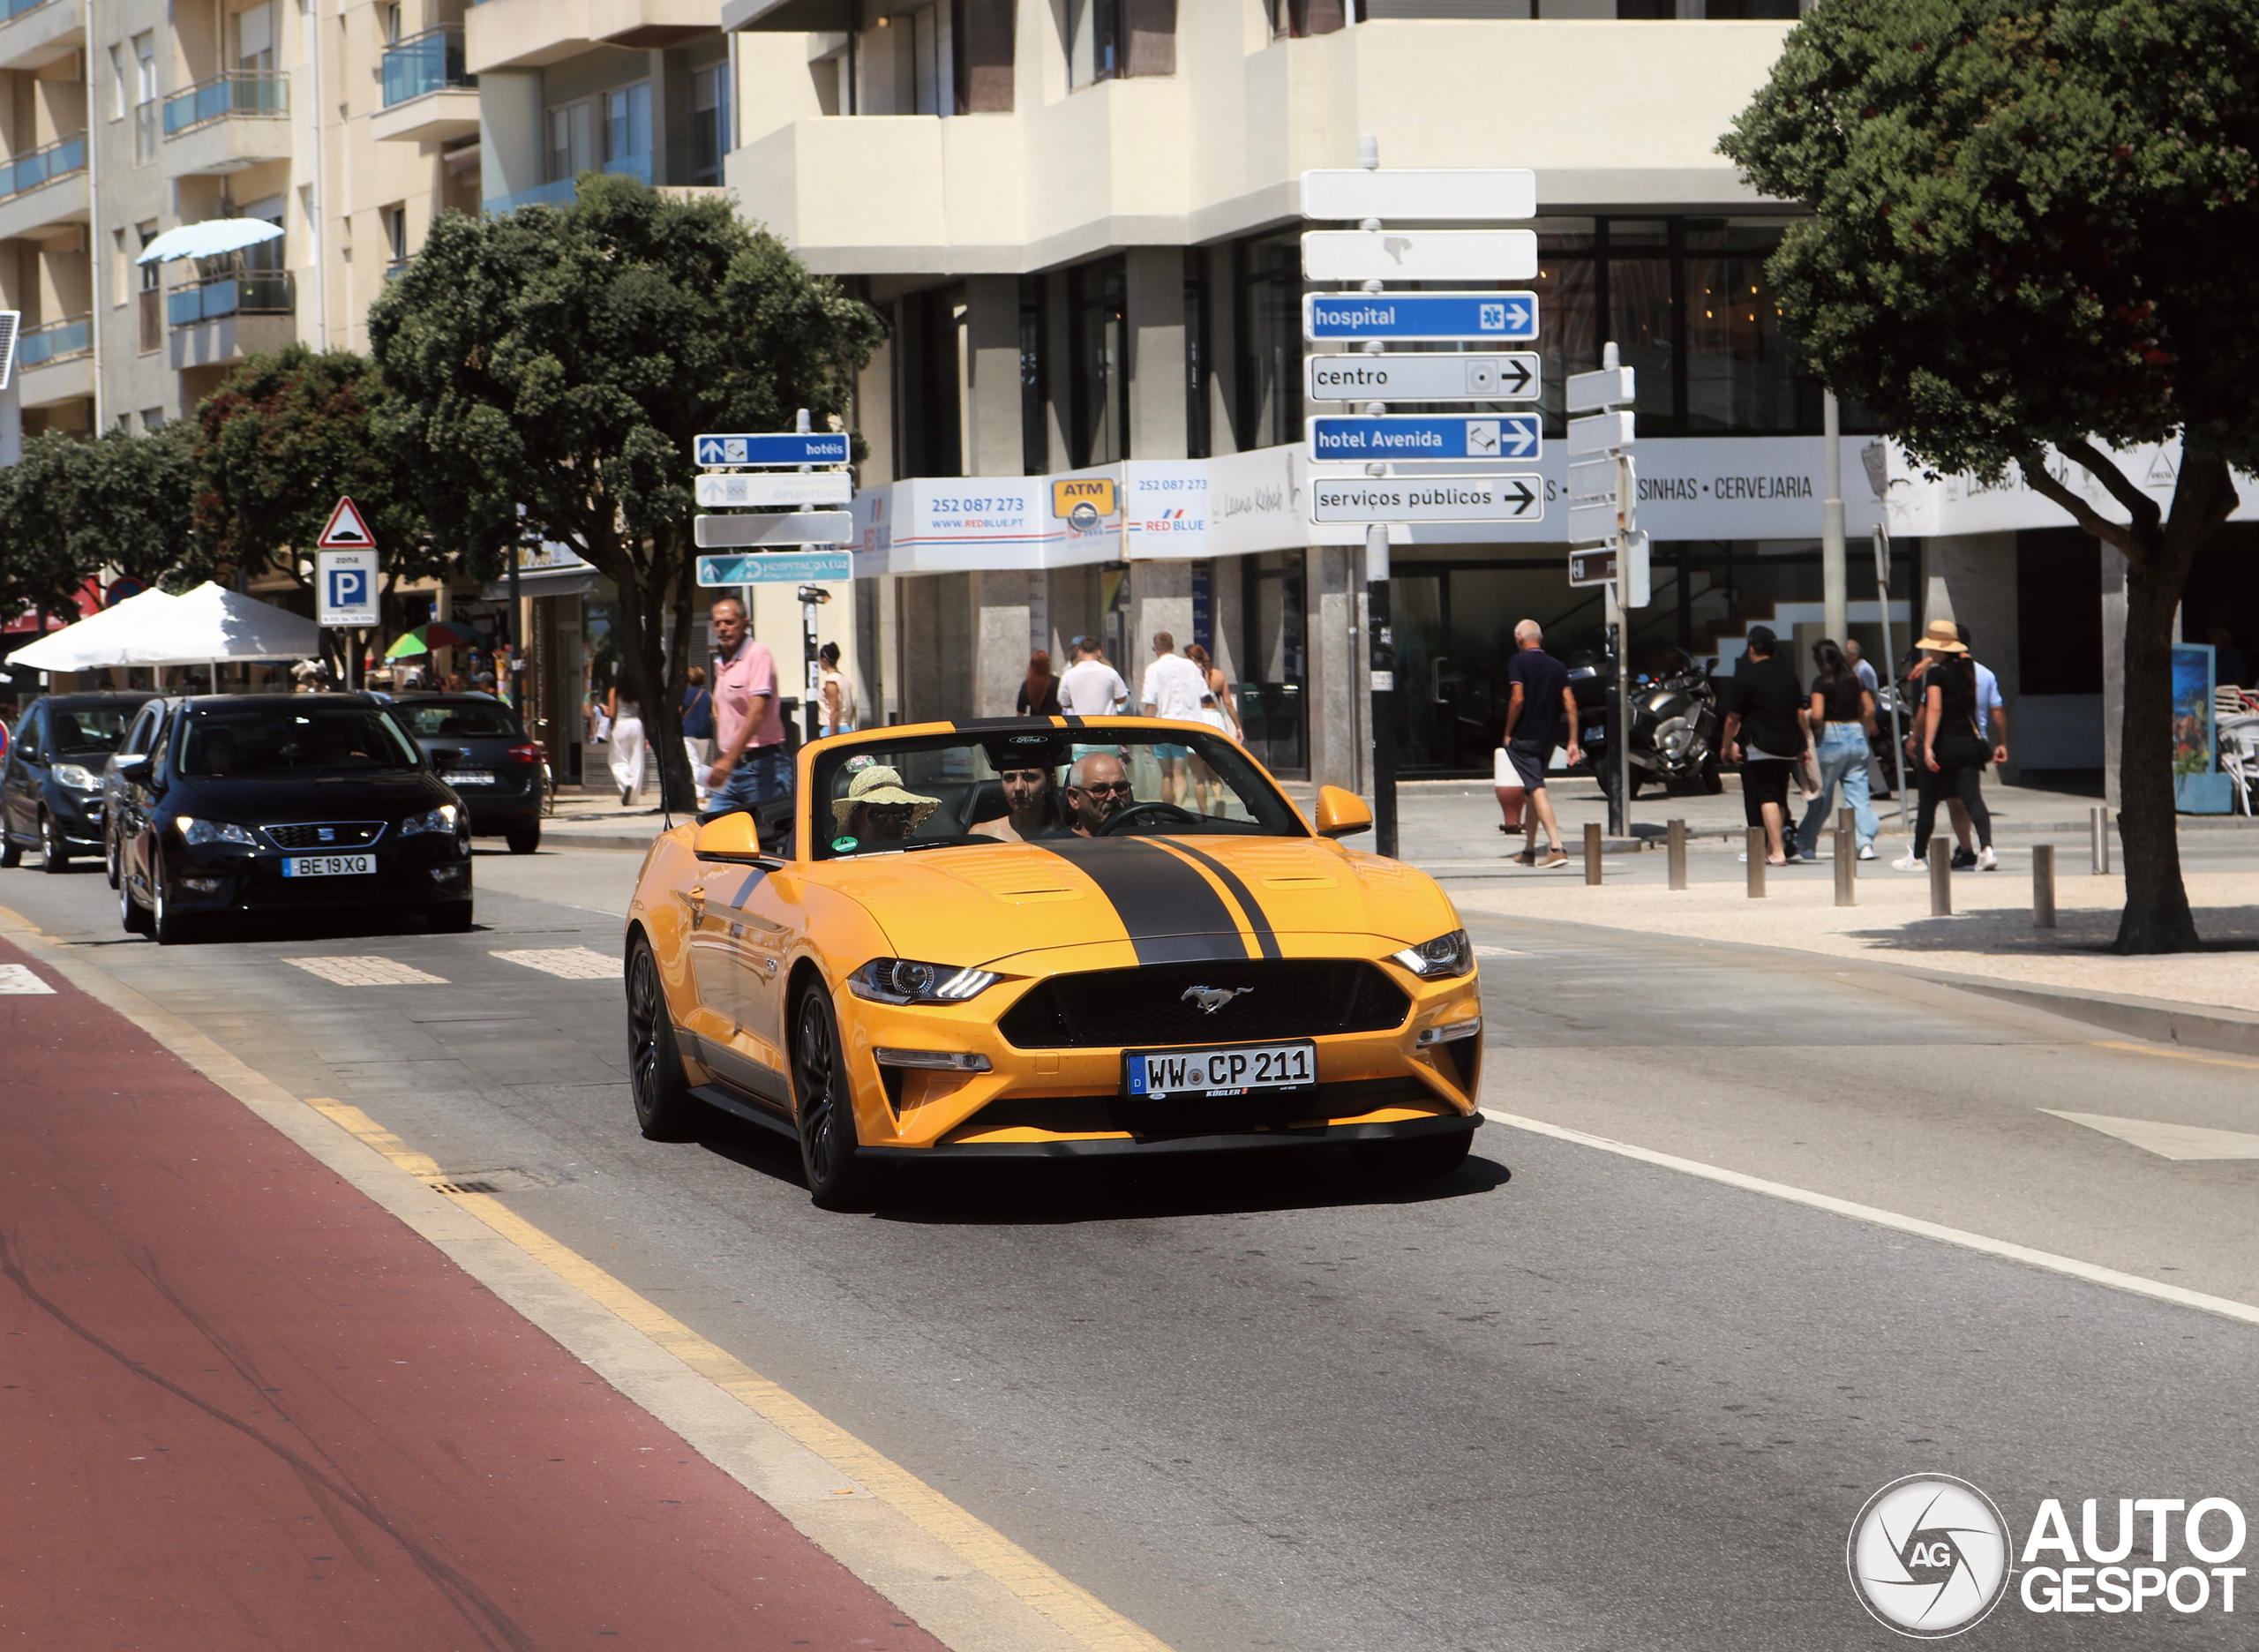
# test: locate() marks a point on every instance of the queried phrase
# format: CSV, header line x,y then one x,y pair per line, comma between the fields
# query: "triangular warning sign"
x,y
346,530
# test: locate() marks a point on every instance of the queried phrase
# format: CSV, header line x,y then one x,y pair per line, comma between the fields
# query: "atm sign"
x,y
1096,492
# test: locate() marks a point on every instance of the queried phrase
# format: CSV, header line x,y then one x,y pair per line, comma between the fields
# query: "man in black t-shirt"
x,y
1765,734
1540,710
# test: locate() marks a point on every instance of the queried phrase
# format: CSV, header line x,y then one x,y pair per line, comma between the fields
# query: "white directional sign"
x,y
1420,254
345,588
1601,432
775,487
798,528
1483,193
1610,386
1513,498
1418,436
1436,375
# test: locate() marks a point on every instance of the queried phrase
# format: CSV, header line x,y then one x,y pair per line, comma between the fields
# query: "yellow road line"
x,y
2176,1054
1072,1608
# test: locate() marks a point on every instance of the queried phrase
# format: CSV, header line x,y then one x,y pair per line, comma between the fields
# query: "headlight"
x,y
902,982
205,831
77,777
1440,958
441,819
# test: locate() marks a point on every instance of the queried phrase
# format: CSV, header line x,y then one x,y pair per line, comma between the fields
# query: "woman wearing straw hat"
x,y
878,809
1952,753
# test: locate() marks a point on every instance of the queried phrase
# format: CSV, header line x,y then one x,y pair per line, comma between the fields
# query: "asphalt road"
x,y
1565,1400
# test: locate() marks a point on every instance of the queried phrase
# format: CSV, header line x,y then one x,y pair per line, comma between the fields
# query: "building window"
x,y
1098,376
931,77
121,82
152,296
1035,389
389,17
1196,442
929,423
145,99
153,420
571,151
627,130
1269,371
709,122
1094,41
394,223
255,39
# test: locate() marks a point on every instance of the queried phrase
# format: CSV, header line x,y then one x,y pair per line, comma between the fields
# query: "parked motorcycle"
x,y
1674,740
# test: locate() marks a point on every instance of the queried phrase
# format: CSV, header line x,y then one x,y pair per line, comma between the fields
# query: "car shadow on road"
x,y
1023,1192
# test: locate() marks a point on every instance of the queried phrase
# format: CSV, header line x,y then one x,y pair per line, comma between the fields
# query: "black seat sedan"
x,y
51,782
284,803
478,744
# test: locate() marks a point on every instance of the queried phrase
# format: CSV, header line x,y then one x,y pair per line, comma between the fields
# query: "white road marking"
x,y
17,978
1499,951
367,971
572,962
2168,1141
2093,1273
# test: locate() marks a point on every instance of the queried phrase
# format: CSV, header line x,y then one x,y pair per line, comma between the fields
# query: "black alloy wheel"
x,y
664,1109
54,854
1421,1158
110,854
823,1102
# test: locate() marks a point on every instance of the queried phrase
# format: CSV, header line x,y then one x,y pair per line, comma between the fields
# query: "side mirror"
x,y
132,765
1341,813
727,837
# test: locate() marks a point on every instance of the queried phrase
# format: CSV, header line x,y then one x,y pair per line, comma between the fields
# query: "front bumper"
x,y
416,876
80,816
1233,1141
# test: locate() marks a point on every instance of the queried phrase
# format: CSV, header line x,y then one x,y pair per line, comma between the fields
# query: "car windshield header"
x,y
441,720
1011,785
292,735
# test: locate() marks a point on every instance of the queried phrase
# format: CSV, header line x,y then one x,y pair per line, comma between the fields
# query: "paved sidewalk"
x,y
240,1404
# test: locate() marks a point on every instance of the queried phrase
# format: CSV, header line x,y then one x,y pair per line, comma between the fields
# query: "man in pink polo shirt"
x,y
748,721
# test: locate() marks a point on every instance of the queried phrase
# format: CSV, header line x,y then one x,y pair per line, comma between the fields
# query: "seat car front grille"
x,y
326,834
1160,1003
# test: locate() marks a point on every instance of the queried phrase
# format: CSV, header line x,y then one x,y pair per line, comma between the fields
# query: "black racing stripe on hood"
x,y
1257,919
1173,915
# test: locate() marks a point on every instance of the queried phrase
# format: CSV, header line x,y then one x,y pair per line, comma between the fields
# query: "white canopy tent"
x,y
98,639
212,623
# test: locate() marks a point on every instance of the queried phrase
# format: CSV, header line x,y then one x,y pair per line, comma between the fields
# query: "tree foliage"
x,y
2034,227
280,439
561,361
73,507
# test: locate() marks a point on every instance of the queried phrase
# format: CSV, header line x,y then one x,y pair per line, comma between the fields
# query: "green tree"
x,y
73,509
38,502
558,362
2033,229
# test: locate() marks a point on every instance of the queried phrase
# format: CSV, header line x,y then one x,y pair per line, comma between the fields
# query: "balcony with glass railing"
x,y
46,28
246,292
21,210
55,341
423,64
11,10
239,92
562,191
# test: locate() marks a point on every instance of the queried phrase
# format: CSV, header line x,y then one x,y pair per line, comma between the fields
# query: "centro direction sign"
x,y
1434,318
1436,375
1419,436
1514,497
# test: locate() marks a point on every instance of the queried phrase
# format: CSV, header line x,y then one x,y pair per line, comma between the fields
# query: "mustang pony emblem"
x,y
1212,999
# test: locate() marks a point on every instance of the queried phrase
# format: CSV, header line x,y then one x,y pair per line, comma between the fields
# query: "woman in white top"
x,y
838,692
1220,688
627,745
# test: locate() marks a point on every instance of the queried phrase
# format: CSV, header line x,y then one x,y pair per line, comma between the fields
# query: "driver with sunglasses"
x,y
1097,789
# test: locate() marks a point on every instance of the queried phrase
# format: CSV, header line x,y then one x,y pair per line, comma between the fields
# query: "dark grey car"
x,y
51,781
478,744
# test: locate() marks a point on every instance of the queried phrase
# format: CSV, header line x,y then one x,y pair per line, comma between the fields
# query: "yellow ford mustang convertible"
x,y
1047,936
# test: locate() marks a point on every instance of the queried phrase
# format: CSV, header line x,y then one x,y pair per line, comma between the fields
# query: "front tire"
x,y
130,918
53,853
823,1102
452,920
170,925
1416,1158
523,839
11,853
109,856
664,1109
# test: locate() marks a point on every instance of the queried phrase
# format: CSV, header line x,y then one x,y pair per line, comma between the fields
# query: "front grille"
x,y
1278,998
326,834
1197,1115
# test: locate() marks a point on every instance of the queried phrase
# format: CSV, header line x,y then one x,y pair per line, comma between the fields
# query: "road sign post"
x,y
1605,438
1427,446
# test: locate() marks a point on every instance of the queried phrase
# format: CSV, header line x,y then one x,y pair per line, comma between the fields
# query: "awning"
x,y
209,239
96,640
214,623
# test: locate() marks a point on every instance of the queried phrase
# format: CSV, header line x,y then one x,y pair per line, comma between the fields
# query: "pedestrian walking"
x,y
1951,756
626,744
1172,689
1843,709
1993,735
748,719
835,694
1220,688
1540,711
1039,694
1861,667
1769,707
698,730
1090,686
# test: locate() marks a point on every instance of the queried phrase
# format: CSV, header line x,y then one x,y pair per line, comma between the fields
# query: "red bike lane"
x,y
243,1405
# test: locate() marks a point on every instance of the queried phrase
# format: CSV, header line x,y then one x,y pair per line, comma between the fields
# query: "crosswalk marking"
x,y
577,963
367,971
17,978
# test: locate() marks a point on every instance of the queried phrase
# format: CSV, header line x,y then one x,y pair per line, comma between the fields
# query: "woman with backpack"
x,y
1951,754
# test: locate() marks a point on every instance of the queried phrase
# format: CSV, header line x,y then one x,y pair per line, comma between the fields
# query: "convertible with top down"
x,y
1054,937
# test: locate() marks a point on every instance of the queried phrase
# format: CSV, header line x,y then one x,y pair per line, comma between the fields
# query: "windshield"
x,y
292,735
439,719
88,728
1009,786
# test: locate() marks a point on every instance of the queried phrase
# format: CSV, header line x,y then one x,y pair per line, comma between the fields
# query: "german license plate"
x,y
471,777
1233,1071
330,866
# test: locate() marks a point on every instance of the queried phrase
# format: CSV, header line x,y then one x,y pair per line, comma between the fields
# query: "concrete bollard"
x,y
2043,886
1675,848
1757,863
1592,851
2098,826
1940,877
1847,885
